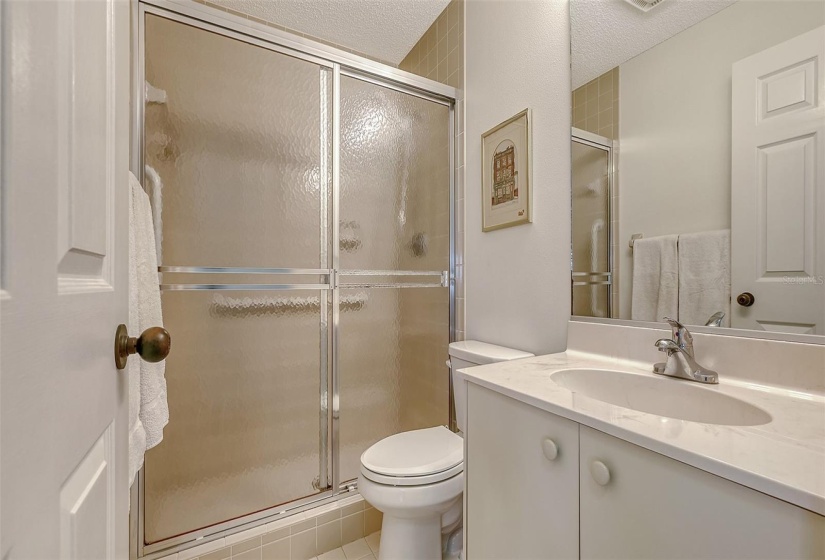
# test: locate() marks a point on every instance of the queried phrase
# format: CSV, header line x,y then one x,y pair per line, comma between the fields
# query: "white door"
x,y
63,404
778,187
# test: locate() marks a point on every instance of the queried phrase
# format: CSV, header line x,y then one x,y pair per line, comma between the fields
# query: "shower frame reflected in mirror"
x,y
592,262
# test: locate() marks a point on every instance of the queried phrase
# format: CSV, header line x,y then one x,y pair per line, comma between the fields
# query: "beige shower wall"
x,y
596,105
438,55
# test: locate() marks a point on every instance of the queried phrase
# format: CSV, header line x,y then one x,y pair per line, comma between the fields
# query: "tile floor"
x,y
362,549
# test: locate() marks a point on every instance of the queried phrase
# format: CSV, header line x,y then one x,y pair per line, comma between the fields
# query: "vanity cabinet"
x,y
602,497
522,477
638,504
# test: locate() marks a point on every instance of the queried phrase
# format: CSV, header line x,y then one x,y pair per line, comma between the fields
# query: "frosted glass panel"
x,y
392,370
238,171
395,179
240,147
243,406
590,229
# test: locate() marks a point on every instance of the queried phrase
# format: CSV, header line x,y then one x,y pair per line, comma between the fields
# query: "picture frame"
x,y
506,174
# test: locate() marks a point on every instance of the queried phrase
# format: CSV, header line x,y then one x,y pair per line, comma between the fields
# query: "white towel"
x,y
655,291
704,276
148,409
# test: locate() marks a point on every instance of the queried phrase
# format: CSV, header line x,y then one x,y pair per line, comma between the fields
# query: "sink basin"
x,y
663,396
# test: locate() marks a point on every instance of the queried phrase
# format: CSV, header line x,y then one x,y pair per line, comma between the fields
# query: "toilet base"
x,y
407,539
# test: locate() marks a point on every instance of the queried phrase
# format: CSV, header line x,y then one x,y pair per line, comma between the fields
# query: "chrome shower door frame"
x,y
340,63
607,145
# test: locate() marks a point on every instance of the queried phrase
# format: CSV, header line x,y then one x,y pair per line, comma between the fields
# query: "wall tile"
x,y
196,551
352,527
329,536
302,526
243,546
303,546
372,521
278,550
275,535
254,554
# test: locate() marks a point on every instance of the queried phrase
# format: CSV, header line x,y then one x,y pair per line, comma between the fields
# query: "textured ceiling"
x,y
383,29
606,33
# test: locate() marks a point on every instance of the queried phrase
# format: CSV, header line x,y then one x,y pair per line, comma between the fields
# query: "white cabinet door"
x,y
778,187
521,502
65,155
655,507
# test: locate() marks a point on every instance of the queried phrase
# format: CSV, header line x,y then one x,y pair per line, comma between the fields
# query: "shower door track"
x,y
340,63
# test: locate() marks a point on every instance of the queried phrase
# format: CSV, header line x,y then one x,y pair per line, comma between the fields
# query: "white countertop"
x,y
784,458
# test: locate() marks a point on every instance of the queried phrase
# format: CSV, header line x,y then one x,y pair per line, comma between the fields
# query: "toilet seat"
x,y
414,458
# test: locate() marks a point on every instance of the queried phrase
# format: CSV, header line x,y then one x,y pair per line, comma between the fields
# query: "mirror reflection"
x,y
698,162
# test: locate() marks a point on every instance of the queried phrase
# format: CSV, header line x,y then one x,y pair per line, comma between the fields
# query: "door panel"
x,y
394,254
244,389
241,152
519,505
395,180
64,405
238,167
654,507
778,187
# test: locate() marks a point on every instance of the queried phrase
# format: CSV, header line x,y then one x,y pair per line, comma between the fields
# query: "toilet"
x,y
416,478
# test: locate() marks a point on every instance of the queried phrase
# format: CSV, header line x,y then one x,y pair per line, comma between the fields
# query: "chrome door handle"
x,y
153,345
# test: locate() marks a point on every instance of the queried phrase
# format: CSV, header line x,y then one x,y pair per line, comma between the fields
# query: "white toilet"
x,y
416,478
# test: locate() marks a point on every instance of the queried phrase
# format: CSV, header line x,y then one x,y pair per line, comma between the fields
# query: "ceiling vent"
x,y
644,5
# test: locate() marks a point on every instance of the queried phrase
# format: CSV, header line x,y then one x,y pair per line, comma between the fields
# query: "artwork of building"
x,y
505,187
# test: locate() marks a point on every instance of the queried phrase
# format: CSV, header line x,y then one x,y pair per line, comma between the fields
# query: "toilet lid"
x,y
415,453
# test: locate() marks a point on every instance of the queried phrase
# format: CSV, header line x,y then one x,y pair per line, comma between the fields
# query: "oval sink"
x,y
663,396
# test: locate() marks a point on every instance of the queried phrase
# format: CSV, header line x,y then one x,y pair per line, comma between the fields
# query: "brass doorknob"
x,y
745,299
153,345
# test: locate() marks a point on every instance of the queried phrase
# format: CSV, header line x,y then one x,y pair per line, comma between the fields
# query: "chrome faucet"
x,y
680,361
715,320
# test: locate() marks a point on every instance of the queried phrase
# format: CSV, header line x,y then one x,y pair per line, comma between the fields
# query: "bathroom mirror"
x,y
698,163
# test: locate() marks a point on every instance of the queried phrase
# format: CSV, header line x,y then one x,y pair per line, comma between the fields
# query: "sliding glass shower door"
x,y
238,167
303,217
395,252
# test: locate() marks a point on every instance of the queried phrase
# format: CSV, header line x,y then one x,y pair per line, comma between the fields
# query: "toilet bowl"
x,y
416,478
413,478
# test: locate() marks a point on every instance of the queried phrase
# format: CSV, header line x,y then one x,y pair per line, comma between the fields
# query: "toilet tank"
x,y
469,353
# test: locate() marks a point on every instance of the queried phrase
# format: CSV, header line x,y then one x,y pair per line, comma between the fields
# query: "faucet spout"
x,y
681,350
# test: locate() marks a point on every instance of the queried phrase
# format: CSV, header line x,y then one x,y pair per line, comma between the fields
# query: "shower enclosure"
x,y
303,209
592,227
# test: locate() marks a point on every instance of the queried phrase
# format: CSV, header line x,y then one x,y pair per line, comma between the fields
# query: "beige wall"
x,y
518,279
675,121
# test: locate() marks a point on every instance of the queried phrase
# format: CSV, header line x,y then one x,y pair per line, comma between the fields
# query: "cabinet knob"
x,y
600,473
550,449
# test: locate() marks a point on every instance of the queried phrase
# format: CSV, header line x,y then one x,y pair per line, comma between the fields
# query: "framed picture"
x,y
505,174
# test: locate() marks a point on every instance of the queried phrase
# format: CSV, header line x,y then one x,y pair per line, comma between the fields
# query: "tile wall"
x,y
596,105
596,110
299,537
439,55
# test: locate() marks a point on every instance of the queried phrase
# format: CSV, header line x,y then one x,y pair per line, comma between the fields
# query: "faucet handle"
x,y
681,335
675,325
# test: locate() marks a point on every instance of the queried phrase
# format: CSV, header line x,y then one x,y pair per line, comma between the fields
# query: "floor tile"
x,y
335,554
357,550
374,541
